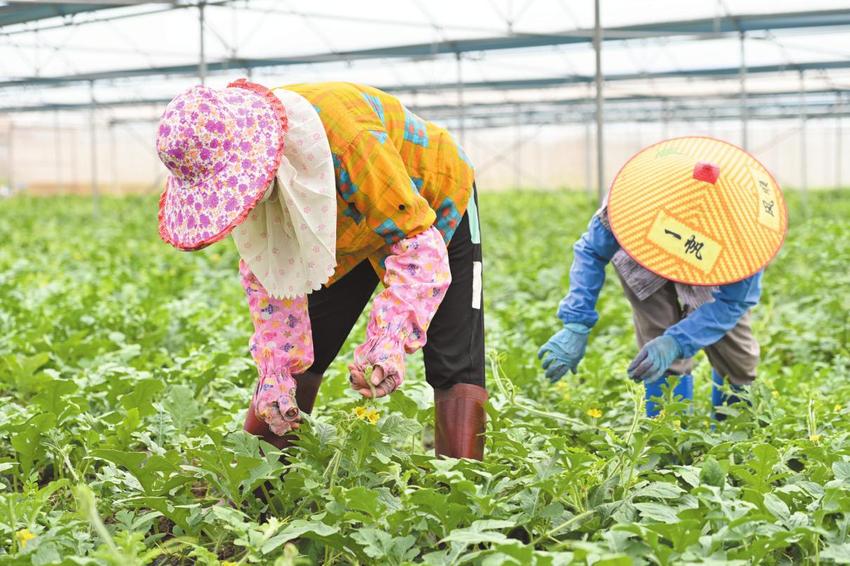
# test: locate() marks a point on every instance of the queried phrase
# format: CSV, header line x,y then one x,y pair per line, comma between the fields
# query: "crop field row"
x,y
125,376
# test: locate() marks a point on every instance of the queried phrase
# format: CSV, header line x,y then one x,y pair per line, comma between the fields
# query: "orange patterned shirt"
x,y
396,174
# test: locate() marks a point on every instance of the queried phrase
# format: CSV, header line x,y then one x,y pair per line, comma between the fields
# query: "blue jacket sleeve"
x,y
592,253
710,322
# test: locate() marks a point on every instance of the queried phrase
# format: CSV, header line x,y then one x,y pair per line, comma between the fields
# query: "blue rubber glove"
x,y
564,351
654,359
710,322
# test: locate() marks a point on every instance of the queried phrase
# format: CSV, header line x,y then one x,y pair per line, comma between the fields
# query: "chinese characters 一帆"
x,y
692,246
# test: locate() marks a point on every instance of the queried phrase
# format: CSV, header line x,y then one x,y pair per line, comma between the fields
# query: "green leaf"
x,y
181,405
380,545
657,512
838,553
399,428
51,398
296,529
46,553
164,505
26,441
150,471
480,532
141,396
777,507
232,517
712,473
841,470
362,499
765,457
128,426
24,367
689,474
659,490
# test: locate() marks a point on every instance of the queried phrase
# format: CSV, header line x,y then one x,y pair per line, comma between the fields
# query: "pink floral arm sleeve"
x,y
416,280
282,346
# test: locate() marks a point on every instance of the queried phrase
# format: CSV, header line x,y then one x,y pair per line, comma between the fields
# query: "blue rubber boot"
x,y
719,397
683,390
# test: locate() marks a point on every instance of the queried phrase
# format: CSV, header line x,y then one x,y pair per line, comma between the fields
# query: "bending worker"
x,y
329,189
689,225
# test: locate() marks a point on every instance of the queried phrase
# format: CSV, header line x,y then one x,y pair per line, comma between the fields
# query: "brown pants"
x,y
735,356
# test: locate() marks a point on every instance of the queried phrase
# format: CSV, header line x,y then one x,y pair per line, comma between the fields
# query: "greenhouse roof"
x,y
708,27
13,13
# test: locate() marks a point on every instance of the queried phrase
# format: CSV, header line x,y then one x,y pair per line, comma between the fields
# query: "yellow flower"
x,y
594,413
24,536
837,408
775,393
814,437
677,423
365,414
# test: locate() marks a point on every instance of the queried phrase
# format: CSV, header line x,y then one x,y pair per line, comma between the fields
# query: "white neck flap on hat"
x,y
289,239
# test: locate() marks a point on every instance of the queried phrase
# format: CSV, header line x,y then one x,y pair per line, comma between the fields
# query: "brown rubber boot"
x,y
460,421
307,388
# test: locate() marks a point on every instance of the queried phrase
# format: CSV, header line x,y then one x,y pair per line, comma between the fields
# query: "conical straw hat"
x,y
697,210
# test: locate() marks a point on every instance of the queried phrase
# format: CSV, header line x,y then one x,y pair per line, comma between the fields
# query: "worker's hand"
x,y
379,384
564,351
654,359
274,403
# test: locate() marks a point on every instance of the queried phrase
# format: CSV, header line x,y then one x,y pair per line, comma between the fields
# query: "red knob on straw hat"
x,y
705,171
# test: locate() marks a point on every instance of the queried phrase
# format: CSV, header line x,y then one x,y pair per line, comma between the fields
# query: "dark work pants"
x,y
454,352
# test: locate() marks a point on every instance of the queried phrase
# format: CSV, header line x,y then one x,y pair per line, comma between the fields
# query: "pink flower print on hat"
x,y
222,148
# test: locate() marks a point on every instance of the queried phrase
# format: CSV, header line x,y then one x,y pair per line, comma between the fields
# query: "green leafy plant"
x,y
124,377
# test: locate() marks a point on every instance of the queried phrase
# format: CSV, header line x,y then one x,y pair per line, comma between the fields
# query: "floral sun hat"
x,y
258,164
223,148
289,239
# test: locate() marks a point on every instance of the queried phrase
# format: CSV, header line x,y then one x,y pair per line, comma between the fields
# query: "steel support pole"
x,y
518,152
638,141
75,178
460,108
588,157
743,94
804,176
10,155
93,148
600,101
839,138
202,66
57,149
113,159
711,123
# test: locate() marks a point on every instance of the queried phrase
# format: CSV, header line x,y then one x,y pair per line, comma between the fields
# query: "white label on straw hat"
x,y
768,209
684,242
